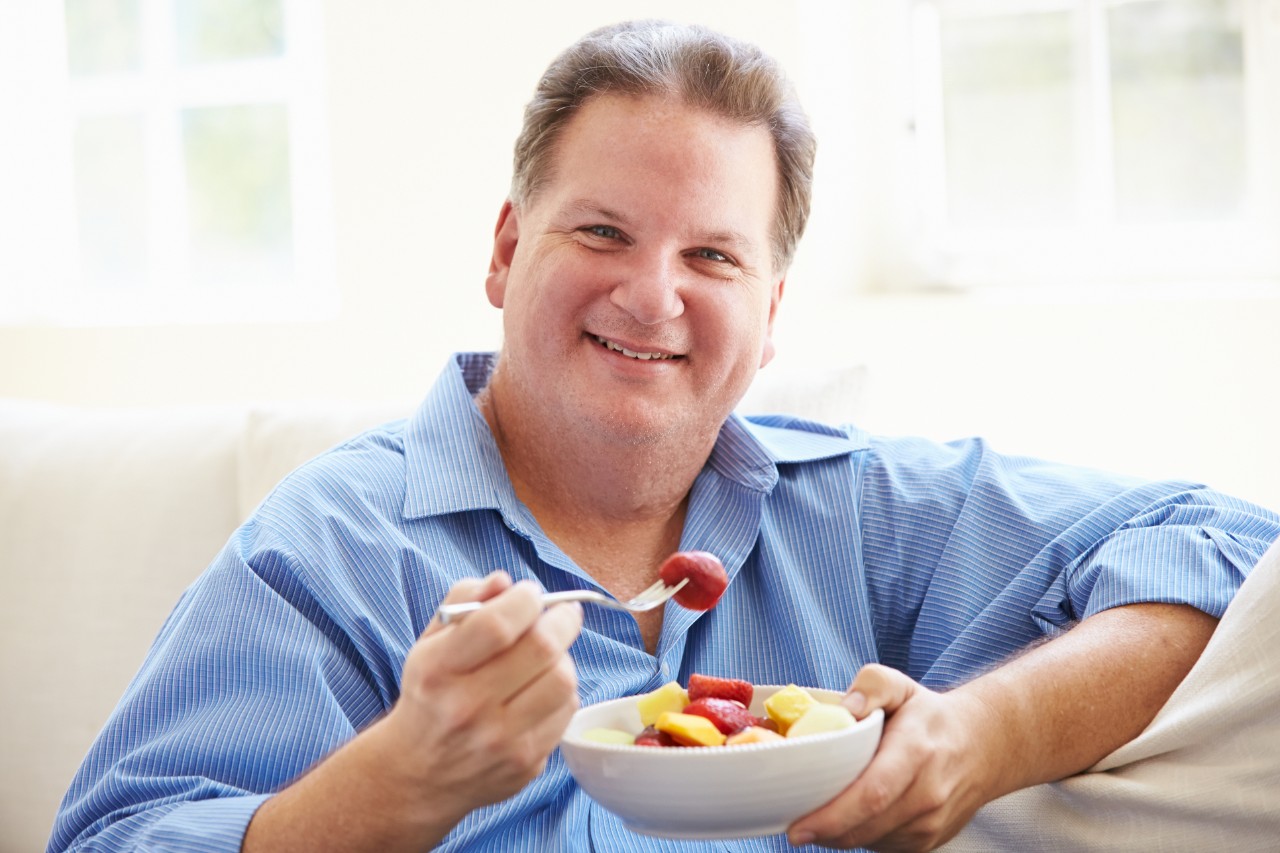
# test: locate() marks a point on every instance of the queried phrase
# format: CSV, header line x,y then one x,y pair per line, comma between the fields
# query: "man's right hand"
x,y
483,702
485,699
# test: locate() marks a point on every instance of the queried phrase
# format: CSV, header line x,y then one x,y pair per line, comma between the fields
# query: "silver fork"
x,y
654,596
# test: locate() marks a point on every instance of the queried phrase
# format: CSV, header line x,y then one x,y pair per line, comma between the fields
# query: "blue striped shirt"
x,y
841,549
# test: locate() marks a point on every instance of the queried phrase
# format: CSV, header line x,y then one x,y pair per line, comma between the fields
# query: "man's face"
x,y
637,286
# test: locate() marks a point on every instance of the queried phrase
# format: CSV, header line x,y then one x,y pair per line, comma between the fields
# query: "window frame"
x,y
1098,250
46,287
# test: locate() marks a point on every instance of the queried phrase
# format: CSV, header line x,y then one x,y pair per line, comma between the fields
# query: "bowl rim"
x,y
681,753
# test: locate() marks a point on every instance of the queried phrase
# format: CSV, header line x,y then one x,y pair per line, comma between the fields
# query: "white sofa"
x,y
107,515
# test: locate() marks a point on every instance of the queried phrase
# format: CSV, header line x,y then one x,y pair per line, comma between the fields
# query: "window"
x,y
175,164
1097,141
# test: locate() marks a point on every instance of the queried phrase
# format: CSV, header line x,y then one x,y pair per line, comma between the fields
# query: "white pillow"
x,y
1204,775
279,438
831,395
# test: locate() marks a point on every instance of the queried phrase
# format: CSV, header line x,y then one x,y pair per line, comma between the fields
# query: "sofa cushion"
x,y
278,438
833,395
105,516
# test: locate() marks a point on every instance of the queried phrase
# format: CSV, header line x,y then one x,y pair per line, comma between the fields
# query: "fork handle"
x,y
449,612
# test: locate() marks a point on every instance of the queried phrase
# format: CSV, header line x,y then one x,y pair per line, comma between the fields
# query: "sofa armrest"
x,y
1204,775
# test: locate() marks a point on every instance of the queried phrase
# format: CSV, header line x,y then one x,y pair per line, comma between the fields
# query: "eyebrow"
x,y
581,207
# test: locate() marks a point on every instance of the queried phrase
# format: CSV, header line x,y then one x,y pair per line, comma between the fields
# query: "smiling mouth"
x,y
641,356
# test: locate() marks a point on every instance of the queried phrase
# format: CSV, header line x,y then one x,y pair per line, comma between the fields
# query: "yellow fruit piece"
x,y
690,729
616,736
820,718
753,734
788,705
669,697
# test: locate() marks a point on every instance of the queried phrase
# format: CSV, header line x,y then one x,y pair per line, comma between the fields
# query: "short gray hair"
x,y
701,67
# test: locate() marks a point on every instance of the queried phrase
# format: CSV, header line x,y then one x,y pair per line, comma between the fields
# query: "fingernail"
x,y
856,702
801,837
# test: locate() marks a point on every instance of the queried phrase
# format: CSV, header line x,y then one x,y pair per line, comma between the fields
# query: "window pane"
x,y
111,200
237,161
103,36
1009,124
220,30
1177,73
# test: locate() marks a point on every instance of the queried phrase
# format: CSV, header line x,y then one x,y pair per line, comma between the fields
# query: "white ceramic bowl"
x,y
715,791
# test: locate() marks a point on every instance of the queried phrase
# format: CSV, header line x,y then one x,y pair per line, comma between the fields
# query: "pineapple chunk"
x,y
690,729
753,734
669,697
788,705
821,718
616,736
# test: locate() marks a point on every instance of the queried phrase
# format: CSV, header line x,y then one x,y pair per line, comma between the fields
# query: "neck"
x,y
616,508
587,474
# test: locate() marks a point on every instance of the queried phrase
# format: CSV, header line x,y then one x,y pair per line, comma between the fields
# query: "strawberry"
x,y
706,575
709,686
652,737
728,715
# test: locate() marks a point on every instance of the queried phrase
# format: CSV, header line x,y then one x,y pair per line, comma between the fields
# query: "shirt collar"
x,y
453,463
750,448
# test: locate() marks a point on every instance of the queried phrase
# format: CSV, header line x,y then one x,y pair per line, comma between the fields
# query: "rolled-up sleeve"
x,y
1192,547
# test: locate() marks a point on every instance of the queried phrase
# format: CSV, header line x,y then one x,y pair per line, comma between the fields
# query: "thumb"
x,y
471,589
878,686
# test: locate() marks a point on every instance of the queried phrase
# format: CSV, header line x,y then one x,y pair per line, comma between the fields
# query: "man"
x,y
301,697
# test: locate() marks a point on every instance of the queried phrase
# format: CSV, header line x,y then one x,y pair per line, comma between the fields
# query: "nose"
x,y
649,291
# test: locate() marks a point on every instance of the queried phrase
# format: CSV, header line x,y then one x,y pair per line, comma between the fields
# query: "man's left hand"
x,y
927,778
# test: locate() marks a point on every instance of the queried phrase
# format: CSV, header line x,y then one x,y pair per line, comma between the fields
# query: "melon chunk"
x,y
788,705
820,718
617,736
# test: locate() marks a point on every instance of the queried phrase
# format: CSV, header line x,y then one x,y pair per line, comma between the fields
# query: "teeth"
x,y
643,356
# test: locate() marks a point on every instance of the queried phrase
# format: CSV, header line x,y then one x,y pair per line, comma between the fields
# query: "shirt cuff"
x,y
204,826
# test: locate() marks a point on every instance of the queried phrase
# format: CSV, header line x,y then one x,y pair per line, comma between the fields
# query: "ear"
x,y
775,297
505,236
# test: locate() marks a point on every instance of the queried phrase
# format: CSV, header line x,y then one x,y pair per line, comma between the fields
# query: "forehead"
x,y
633,149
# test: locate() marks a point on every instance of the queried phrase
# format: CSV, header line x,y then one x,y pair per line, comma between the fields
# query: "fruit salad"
x,y
714,711
705,574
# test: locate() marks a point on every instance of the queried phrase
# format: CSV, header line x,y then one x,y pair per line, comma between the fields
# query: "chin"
x,y
643,426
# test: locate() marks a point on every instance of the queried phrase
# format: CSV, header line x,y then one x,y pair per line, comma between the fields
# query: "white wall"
x,y
424,103
1181,387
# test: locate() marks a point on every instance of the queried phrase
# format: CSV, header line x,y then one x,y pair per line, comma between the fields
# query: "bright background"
x,y
422,103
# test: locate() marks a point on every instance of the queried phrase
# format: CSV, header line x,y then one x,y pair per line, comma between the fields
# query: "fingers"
x,y
878,686
540,649
499,649
858,814
918,790
547,703
482,635
479,589
471,589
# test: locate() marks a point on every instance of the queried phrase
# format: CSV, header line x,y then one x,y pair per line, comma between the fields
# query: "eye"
x,y
604,232
712,255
